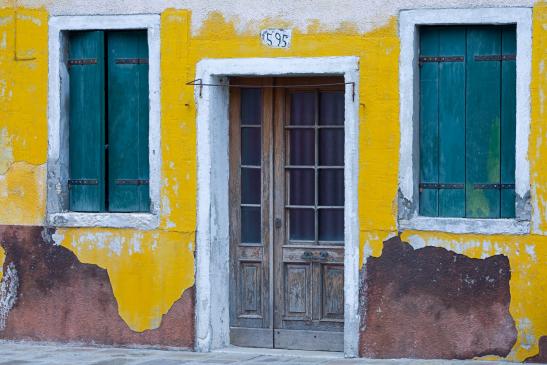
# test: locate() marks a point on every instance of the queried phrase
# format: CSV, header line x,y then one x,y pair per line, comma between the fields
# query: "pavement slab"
x,y
32,353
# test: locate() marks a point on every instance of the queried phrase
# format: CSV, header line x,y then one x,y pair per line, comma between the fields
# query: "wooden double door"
x,y
287,213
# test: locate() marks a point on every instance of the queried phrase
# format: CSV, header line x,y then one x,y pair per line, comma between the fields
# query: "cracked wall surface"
x,y
147,277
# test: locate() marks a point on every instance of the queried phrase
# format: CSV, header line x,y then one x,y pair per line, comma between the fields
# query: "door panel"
x,y
298,292
309,203
287,214
250,257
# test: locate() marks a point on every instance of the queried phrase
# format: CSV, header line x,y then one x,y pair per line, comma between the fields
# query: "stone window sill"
x,y
107,220
466,225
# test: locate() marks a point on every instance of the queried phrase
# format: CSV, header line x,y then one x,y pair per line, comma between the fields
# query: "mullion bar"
x,y
313,167
334,126
316,163
294,206
250,125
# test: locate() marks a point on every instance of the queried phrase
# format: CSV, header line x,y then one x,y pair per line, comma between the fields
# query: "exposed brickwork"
x,y
434,303
61,299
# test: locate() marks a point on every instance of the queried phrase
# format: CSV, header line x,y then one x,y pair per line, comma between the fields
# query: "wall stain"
x,y
541,357
434,303
60,298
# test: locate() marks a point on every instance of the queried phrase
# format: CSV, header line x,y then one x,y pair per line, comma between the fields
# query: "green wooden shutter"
x,y
429,122
452,123
86,122
467,121
483,123
128,110
508,121
442,121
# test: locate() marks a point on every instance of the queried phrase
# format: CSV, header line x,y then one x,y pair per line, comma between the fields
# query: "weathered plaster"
x,y
429,302
59,298
250,16
409,150
212,229
137,261
8,293
221,34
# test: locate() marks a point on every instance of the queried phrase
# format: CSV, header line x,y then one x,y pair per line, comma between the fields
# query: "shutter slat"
x,y
452,122
128,106
429,163
86,122
483,123
508,121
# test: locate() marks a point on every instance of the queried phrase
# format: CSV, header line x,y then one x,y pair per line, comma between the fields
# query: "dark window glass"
x,y
331,187
302,186
250,225
250,186
251,106
302,224
331,151
302,146
331,109
250,146
331,224
303,108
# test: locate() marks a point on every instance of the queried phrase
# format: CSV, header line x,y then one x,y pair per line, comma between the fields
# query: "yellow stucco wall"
x,y
137,260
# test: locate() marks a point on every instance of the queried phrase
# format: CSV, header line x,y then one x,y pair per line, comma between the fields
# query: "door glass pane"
x,y
250,225
331,224
302,224
302,108
251,106
331,110
302,187
331,187
302,146
250,146
331,147
250,186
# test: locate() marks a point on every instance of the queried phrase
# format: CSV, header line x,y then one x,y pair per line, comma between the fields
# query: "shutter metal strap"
x,y
83,182
131,181
131,61
493,186
427,59
497,57
440,186
82,62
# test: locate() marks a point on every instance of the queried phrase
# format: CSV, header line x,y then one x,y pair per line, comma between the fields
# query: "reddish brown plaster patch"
x,y
61,299
434,303
541,357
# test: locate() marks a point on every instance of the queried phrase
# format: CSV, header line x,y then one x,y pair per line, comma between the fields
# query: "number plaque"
x,y
276,38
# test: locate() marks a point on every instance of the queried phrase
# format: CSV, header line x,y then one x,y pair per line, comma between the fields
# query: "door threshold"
x,y
280,352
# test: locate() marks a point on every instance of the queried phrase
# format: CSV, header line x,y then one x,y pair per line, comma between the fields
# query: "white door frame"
x,y
212,238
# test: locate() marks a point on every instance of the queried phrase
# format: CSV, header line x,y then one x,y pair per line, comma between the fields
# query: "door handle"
x,y
308,256
278,223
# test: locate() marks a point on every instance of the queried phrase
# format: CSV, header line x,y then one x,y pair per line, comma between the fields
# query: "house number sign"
x,y
276,38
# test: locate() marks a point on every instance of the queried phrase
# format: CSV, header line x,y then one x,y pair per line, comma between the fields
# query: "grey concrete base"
x,y
22,353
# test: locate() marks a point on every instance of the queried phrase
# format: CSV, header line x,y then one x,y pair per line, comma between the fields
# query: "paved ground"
x,y
22,353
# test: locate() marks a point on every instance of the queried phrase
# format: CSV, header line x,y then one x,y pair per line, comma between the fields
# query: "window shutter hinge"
x,y
82,62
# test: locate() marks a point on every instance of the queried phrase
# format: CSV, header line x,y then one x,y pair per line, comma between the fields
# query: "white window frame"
x,y
58,99
408,200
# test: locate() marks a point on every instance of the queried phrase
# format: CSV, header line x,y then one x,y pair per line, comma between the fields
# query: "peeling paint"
x,y
8,293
